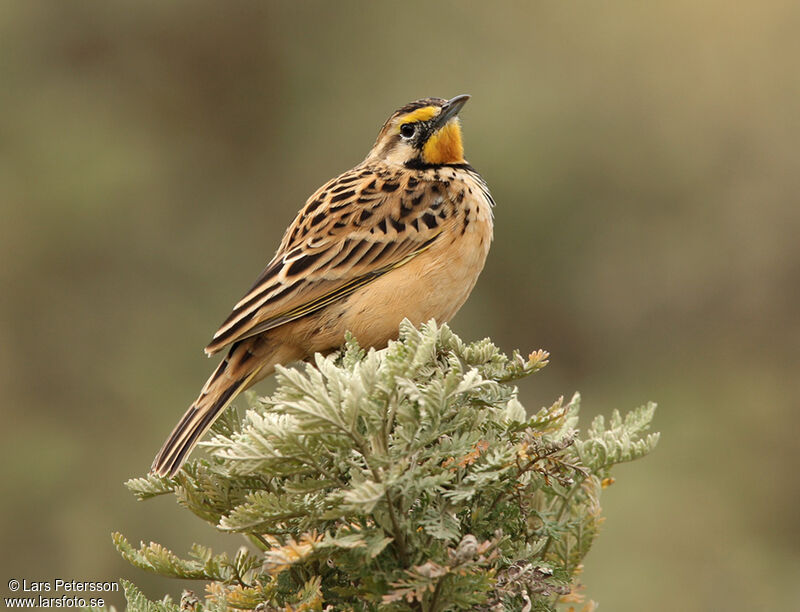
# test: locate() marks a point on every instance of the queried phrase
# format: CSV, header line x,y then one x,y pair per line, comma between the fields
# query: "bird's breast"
x,y
434,284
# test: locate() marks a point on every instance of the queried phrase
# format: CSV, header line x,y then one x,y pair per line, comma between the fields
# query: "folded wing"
x,y
353,230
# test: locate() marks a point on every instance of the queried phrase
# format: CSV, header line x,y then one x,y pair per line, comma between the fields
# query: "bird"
x,y
402,235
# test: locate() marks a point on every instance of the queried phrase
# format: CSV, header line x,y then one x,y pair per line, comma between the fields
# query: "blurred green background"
x,y
644,158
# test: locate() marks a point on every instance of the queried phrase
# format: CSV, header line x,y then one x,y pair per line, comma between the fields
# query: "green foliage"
x,y
408,478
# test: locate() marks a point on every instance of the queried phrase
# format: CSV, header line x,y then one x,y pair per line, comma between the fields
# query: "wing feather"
x,y
353,230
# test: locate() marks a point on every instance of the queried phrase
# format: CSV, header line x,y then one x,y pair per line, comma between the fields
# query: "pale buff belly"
x,y
433,285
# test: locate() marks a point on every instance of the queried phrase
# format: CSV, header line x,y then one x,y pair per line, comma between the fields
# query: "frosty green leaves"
x,y
407,478
624,440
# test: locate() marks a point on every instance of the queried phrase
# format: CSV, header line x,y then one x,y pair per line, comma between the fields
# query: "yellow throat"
x,y
444,146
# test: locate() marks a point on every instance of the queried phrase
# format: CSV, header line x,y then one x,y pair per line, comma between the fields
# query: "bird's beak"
x,y
450,109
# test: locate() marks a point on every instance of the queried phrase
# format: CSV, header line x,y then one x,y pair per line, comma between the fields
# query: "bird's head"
x,y
421,134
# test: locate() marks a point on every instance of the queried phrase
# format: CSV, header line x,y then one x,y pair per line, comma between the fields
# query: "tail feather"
x,y
221,389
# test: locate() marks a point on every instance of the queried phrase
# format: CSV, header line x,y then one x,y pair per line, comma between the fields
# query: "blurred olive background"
x,y
644,159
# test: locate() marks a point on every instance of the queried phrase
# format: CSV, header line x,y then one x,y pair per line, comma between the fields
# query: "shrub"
x,y
407,478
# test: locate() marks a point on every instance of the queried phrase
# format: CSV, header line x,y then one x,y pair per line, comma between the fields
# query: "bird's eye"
x,y
407,130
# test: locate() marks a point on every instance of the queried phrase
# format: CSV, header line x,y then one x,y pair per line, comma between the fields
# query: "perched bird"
x,y
404,234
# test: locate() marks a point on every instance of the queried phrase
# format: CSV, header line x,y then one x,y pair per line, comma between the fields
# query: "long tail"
x,y
233,375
